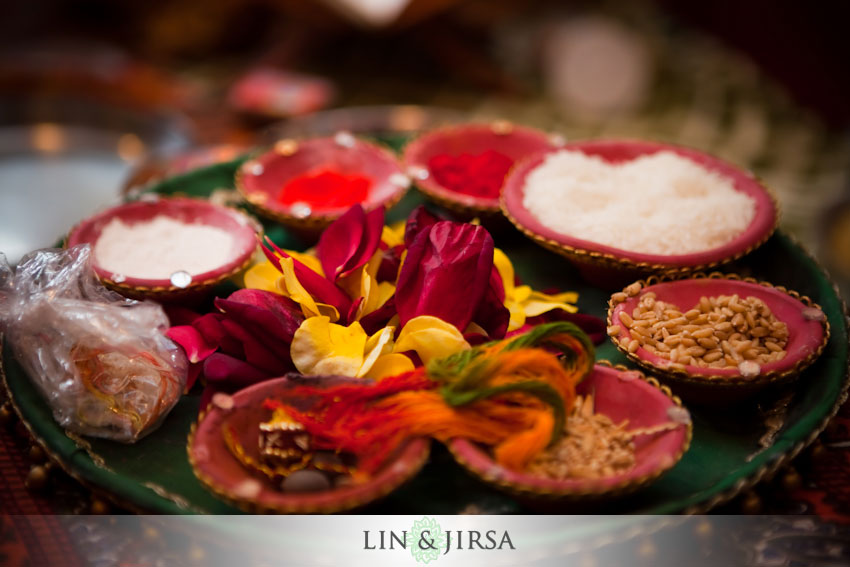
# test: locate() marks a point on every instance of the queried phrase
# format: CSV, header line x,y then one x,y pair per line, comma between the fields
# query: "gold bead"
x,y
99,507
751,503
791,480
37,454
7,416
37,478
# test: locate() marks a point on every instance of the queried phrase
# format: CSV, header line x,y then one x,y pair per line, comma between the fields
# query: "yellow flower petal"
x,y
430,337
321,347
291,287
505,269
540,305
308,260
393,235
262,276
364,283
390,365
517,315
379,344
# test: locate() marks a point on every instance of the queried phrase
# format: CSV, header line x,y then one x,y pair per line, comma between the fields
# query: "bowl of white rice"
x,y
620,208
165,248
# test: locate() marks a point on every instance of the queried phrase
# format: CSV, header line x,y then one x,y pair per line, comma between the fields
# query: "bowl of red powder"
x,y
307,184
162,248
463,168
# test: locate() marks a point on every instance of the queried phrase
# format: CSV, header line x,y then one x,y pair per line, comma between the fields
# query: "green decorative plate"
x,y
732,448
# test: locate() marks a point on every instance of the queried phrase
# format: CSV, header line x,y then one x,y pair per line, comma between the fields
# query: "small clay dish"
x,y
610,267
224,475
808,334
621,394
181,284
515,142
260,180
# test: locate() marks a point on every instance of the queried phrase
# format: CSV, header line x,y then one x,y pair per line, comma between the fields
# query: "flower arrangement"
x,y
369,301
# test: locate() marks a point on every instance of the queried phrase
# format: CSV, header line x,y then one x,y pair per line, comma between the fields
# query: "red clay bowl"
x,y
808,333
224,475
621,394
242,228
611,267
516,142
260,180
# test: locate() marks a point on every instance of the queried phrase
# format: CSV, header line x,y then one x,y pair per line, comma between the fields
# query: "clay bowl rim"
x,y
707,376
757,233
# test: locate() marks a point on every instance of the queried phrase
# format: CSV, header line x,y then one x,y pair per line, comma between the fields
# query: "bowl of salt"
x,y
162,248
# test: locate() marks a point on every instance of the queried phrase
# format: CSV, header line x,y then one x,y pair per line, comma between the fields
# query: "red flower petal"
x,y
180,315
378,319
339,241
321,289
193,342
220,368
264,313
446,273
419,220
492,315
193,375
210,327
350,241
390,263
256,353
593,326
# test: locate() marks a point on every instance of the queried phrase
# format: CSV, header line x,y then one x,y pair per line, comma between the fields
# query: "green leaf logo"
x,y
427,540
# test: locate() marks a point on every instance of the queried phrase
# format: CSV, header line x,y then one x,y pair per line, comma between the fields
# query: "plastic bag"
x,y
100,360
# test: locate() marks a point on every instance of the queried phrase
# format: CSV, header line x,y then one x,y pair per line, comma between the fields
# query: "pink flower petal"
x,y
446,273
193,342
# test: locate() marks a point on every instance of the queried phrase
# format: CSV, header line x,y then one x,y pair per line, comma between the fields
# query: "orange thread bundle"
x,y
511,395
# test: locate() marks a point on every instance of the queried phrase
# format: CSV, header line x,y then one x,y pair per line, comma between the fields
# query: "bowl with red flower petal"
x,y
720,345
463,167
230,426
610,266
307,184
655,421
167,248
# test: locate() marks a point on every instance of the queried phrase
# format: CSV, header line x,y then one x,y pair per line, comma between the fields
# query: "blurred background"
x,y
98,97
